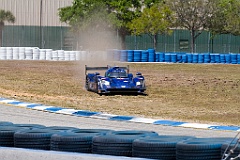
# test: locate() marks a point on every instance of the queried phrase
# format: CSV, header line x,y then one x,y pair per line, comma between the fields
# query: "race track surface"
x,y
23,115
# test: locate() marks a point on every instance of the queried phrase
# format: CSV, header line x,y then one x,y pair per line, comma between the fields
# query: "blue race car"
x,y
117,80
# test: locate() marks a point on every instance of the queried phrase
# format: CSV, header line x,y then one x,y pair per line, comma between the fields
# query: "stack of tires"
x,y
118,143
157,147
130,143
33,139
200,148
8,130
76,140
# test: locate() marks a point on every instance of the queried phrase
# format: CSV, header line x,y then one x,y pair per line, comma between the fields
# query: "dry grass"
x,y
186,92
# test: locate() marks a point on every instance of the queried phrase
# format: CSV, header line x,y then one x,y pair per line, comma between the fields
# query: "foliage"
x,y
153,21
114,14
192,15
87,14
5,16
226,17
154,16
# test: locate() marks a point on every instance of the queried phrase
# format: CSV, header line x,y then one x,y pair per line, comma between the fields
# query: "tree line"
x,y
154,17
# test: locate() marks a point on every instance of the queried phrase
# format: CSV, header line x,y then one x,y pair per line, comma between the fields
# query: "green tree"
x,y
5,16
153,21
125,12
193,15
88,19
116,14
226,17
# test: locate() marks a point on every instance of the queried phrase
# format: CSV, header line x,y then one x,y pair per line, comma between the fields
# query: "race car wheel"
x,y
100,93
87,84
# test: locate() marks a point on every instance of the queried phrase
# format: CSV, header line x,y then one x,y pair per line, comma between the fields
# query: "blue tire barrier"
x,y
179,57
137,55
238,58
201,58
157,57
212,58
123,57
189,57
206,58
151,56
173,58
161,57
130,55
233,58
144,56
217,58
195,58
167,57
222,58
184,58
227,58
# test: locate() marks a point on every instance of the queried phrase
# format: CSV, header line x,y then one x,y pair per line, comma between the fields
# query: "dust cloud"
x,y
96,45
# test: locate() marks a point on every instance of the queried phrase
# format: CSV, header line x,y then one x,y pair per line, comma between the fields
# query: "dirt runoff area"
x,y
206,93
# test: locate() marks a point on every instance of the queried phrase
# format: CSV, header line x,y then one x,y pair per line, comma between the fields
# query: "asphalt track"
x,y
23,115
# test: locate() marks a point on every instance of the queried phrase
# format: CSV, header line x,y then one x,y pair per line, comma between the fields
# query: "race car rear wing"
x,y
102,68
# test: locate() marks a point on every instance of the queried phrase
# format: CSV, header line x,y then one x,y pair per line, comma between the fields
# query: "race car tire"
x,y
87,84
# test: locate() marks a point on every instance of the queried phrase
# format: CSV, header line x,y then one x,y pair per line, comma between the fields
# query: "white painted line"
x,y
196,125
23,104
42,107
103,116
142,120
67,111
8,101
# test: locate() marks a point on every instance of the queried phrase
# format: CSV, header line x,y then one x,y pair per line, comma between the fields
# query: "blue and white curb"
x,y
99,115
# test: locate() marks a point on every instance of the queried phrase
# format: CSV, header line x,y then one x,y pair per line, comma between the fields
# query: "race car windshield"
x,y
117,74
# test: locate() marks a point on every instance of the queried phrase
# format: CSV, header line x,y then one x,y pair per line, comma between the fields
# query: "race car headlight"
x,y
138,83
107,83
